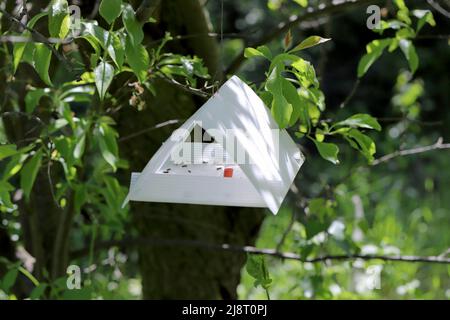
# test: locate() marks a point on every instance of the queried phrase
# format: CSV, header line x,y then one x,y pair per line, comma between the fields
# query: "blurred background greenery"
x,y
396,207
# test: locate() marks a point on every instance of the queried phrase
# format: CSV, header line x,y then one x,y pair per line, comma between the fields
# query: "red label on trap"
x,y
228,172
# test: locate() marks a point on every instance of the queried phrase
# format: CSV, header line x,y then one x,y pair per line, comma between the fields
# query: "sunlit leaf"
x,y
302,3
363,143
281,109
424,16
328,151
257,268
374,51
104,74
410,53
361,120
59,19
309,42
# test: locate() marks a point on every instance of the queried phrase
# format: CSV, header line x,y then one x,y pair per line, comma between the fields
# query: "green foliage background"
x,y
349,95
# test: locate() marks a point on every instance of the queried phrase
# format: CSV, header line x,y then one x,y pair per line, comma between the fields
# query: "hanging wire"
x,y
222,64
221,33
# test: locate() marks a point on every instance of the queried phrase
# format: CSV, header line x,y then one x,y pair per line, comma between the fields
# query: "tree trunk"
x,y
182,272
172,272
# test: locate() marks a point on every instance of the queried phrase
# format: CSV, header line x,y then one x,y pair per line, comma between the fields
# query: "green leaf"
x,y
80,196
59,19
107,140
110,10
280,59
7,150
252,52
302,3
19,47
405,33
138,59
32,99
96,35
424,16
5,198
292,96
38,291
374,51
9,279
410,53
309,42
13,167
29,173
328,151
81,294
361,120
265,51
314,227
257,268
79,147
41,61
305,73
104,74
281,109
287,41
133,27
363,143
18,50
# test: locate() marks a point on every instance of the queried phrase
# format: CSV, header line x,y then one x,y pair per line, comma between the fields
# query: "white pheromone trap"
x,y
242,159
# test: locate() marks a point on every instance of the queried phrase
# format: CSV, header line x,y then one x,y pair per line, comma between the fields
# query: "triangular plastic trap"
x,y
241,159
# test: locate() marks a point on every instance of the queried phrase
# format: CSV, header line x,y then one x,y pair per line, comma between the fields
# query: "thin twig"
x,y
309,13
200,35
407,152
144,131
287,230
438,8
420,122
22,39
23,114
433,36
94,11
186,88
40,38
351,94
253,250
50,182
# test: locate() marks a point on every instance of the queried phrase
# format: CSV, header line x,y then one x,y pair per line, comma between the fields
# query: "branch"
x,y
309,13
438,8
231,35
144,131
253,250
186,88
287,230
407,152
146,10
40,38
95,10
21,39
